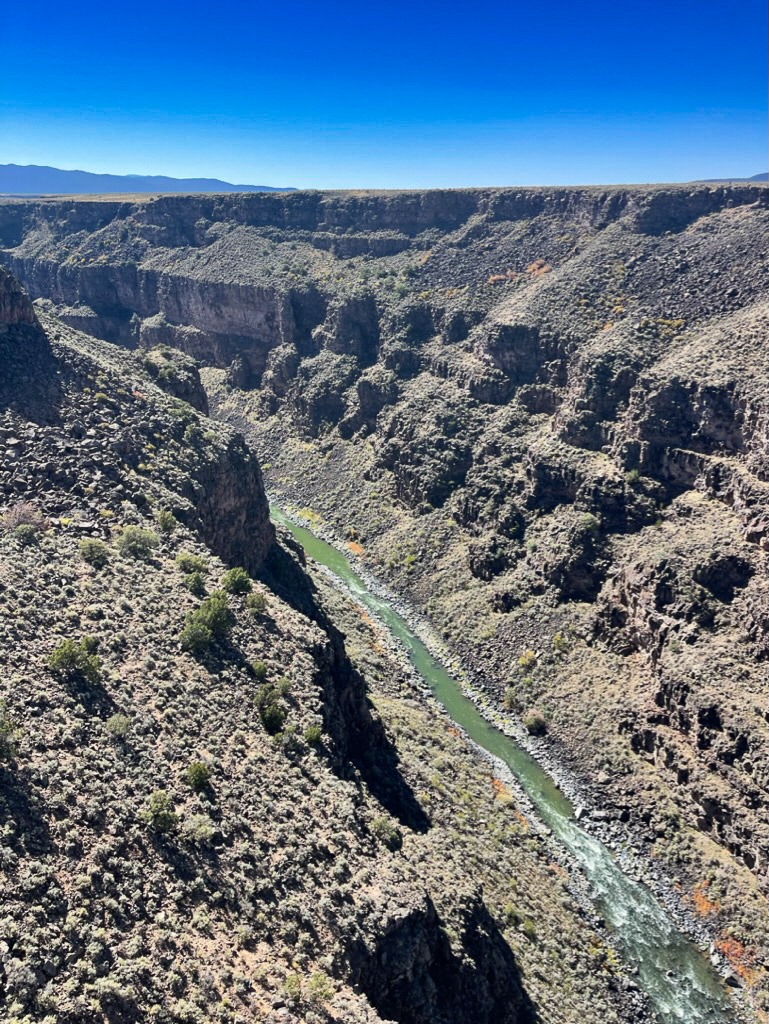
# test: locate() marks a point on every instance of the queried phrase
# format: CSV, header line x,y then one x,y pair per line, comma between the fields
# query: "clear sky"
x,y
387,95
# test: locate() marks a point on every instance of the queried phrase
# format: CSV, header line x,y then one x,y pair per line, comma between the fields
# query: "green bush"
x,y
560,643
283,686
196,638
76,662
292,987
273,718
590,522
198,776
136,542
259,671
313,735
511,915
193,433
166,520
534,723
256,603
187,563
25,535
195,583
510,700
159,813
271,711
215,614
236,581
527,660
118,726
8,734
211,621
319,988
387,832
95,552
198,829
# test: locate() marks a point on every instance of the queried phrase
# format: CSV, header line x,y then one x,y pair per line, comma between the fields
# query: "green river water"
x,y
680,981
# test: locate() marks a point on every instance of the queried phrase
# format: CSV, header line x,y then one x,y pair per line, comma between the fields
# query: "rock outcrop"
x,y
202,815
542,413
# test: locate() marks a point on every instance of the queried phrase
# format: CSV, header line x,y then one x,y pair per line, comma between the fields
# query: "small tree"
x,y
271,711
196,638
215,613
76,662
198,776
236,581
136,542
211,621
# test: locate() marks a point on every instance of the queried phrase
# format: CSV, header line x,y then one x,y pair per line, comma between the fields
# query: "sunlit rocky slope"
x,y
542,415
211,809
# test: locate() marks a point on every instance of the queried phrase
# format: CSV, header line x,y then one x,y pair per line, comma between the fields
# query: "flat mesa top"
x,y
297,194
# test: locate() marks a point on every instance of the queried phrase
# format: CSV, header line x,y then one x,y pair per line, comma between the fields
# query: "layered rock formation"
x,y
217,825
543,415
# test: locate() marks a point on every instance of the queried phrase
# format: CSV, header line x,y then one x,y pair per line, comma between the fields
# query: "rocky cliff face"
x,y
542,413
225,828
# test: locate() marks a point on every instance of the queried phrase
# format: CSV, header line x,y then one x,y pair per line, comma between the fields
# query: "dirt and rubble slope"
x,y
210,808
541,415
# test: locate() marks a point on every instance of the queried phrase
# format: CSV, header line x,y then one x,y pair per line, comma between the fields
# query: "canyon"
x,y
539,415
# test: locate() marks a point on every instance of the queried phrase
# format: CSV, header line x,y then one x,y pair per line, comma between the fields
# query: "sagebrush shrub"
x,y
118,726
95,552
256,603
166,520
387,832
259,671
136,542
187,563
159,813
313,735
25,535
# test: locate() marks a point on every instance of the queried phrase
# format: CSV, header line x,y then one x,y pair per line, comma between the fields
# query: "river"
x,y
679,980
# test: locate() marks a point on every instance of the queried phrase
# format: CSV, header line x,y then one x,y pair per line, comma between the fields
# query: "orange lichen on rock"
x,y
702,902
740,958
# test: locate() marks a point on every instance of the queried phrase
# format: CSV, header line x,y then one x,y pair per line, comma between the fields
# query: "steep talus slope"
x,y
542,415
226,830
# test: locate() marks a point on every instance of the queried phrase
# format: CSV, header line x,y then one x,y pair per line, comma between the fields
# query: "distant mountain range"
x,y
755,177
33,180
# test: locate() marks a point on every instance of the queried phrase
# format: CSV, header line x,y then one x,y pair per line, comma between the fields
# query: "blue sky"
x,y
390,94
